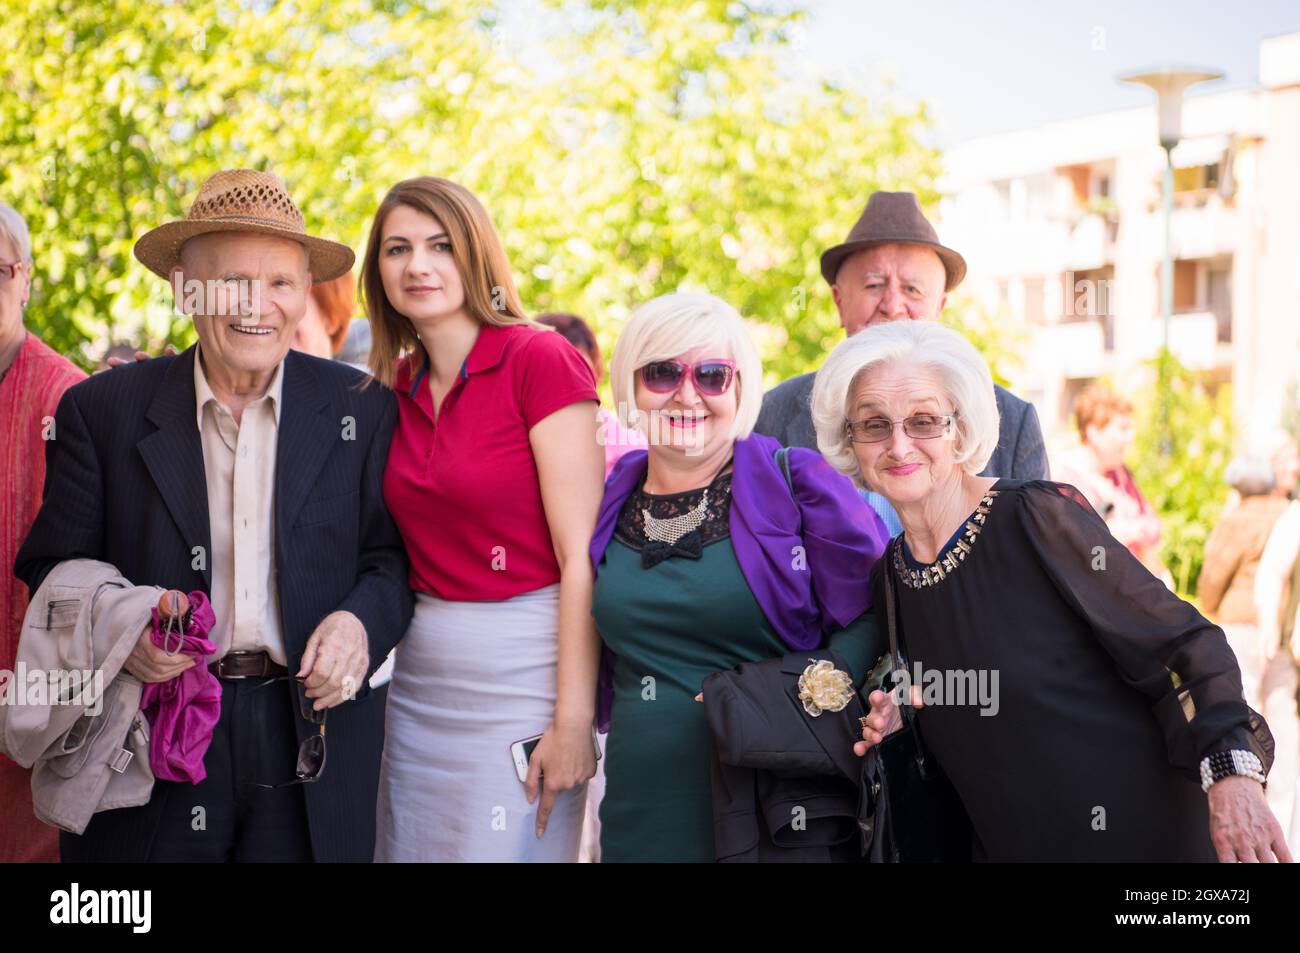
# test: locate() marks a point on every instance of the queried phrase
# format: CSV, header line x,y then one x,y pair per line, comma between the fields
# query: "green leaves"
x,y
624,149
1185,486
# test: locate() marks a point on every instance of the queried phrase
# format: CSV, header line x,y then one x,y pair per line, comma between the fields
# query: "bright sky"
x,y
998,65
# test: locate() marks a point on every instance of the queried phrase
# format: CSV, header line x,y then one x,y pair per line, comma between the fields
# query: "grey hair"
x,y
962,372
1251,474
13,228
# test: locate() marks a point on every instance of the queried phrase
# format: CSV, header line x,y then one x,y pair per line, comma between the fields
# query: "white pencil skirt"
x,y
469,680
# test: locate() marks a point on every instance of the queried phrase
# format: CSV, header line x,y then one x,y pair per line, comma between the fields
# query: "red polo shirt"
x,y
464,491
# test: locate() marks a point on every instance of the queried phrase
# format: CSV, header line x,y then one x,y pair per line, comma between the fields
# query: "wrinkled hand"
x,y
336,660
883,719
564,758
140,356
1242,828
149,663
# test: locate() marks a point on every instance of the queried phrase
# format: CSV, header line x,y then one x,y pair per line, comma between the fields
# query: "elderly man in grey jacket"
x,y
893,268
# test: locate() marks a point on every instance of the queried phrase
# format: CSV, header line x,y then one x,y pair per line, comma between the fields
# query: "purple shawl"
x,y
808,586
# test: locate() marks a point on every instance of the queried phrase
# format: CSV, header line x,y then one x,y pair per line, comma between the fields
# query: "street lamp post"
x,y
1169,85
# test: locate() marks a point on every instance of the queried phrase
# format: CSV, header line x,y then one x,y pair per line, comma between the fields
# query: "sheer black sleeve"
x,y
1161,645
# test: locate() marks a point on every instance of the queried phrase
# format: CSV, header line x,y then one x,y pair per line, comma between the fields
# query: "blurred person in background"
x,y
1274,651
1097,469
1227,591
1284,456
32,379
614,437
328,327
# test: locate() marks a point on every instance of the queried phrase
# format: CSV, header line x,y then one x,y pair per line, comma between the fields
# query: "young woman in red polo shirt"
x,y
494,479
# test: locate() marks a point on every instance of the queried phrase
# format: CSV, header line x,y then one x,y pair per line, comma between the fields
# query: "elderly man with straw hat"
x,y
252,473
892,267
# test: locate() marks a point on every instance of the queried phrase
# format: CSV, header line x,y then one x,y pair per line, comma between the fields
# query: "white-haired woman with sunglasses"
x,y
704,561
1117,706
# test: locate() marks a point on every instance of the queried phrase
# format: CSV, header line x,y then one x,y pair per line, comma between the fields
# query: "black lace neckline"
x,y
630,529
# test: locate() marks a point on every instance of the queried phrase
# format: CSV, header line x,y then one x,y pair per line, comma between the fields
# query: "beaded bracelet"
x,y
1225,764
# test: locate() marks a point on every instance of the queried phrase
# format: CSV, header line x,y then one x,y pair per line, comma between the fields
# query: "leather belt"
x,y
246,665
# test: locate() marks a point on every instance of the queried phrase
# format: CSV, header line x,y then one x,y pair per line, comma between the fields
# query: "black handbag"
x,y
910,812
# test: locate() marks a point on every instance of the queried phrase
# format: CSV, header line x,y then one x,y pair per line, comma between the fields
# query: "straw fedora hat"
x,y
242,200
893,218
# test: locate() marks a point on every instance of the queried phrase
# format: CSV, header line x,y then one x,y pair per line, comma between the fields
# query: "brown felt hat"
x,y
242,200
893,218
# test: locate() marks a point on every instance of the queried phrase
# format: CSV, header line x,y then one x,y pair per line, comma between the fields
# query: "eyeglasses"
x,y
918,427
9,270
711,378
311,753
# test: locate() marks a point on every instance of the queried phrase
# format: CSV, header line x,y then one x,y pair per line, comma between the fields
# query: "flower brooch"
x,y
823,687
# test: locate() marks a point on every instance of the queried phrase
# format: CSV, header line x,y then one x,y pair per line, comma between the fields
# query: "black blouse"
x,y
1103,690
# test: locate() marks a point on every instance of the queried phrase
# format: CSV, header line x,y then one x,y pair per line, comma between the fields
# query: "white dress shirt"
x,y
239,464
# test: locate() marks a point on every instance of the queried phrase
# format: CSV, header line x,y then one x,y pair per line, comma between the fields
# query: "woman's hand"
x,y
1242,828
884,719
564,758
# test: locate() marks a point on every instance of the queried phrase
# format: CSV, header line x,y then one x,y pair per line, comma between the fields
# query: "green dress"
x,y
670,626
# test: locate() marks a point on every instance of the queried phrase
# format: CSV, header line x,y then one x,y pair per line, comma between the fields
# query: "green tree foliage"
x,y
624,149
999,339
1180,466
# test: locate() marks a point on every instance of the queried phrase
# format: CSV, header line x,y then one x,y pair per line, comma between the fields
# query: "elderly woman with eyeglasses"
x,y
1118,731
707,557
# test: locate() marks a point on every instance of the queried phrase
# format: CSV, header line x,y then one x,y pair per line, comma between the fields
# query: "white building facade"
x,y
1063,230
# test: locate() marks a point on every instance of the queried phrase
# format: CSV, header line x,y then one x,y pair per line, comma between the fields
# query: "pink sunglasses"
x,y
712,377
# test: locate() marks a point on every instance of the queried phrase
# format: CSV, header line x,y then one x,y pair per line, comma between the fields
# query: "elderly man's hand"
x,y
149,663
336,660
1242,828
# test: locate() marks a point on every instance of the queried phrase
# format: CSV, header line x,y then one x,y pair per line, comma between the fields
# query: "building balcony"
x,y
1091,243
1076,349
1193,339
1206,231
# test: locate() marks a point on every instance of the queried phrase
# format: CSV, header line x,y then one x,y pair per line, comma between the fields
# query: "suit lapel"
x,y
833,730
174,457
306,435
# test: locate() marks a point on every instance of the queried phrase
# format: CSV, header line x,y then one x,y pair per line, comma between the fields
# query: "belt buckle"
x,y
262,674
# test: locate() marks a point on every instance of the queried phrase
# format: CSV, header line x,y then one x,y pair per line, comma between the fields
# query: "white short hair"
x,y
13,228
669,326
962,373
1251,474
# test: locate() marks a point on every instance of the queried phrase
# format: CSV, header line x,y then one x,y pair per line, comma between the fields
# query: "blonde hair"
x,y
669,326
962,373
490,294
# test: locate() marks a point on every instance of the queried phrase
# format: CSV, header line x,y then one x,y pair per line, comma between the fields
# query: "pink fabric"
x,y
617,439
183,712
